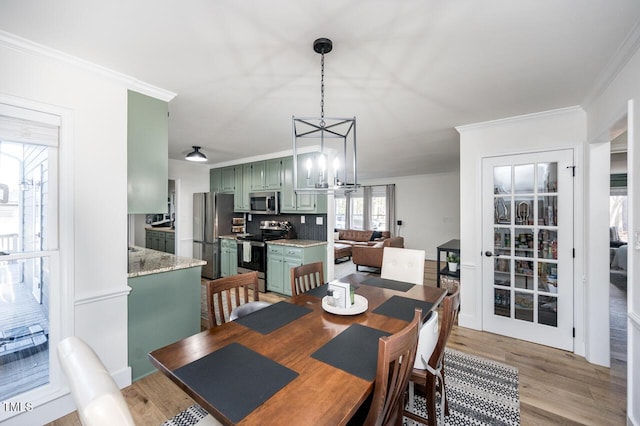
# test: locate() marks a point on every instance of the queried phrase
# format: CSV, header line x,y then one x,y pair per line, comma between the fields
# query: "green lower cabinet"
x,y
160,240
170,243
162,308
281,258
228,257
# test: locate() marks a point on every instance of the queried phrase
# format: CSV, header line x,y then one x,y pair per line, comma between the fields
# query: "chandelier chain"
x,y
322,89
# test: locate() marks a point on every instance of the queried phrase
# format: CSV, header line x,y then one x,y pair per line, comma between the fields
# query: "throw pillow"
x,y
375,235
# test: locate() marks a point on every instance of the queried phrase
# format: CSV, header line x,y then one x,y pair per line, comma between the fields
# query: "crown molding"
x,y
519,118
23,45
616,64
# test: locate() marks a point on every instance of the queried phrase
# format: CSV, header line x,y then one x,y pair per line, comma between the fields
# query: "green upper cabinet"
x,y
147,154
290,202
215,176
228,179
243,187
266,175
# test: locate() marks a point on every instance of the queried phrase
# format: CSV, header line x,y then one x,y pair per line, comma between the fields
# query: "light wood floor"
x,y
556,387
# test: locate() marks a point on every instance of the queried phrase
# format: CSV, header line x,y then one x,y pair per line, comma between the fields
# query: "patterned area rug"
x,y
188,417
480,392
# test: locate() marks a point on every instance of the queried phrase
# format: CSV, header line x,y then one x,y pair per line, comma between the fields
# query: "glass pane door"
x,y
521,198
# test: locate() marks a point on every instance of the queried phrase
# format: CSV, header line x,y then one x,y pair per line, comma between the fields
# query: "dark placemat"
x,y
235,379
402,308
321,291
273,317
355,351
390,284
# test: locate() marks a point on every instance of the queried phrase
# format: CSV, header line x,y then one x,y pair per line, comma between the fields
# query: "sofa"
x,y
346,239
355,237
371,255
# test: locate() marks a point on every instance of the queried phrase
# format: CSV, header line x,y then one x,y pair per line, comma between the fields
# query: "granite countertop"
x,y
144,261
298,243
228,237
160,228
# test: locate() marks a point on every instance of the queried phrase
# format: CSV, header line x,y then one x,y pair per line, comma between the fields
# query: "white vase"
x,y
453,267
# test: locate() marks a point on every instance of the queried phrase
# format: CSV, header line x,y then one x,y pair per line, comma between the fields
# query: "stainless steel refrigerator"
x,y
212,217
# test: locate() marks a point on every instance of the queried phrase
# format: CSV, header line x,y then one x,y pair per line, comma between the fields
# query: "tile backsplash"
x,y
308,230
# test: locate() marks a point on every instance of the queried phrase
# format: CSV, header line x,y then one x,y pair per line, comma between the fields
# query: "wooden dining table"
x,y
319,393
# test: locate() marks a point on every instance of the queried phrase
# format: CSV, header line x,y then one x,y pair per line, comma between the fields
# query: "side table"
x,y
451,246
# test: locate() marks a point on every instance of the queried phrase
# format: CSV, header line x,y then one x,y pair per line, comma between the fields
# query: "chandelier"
x,y
324,149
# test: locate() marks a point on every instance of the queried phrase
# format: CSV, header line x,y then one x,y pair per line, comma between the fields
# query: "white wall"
x,y
621,96
93,233
559,129
190,178
429,208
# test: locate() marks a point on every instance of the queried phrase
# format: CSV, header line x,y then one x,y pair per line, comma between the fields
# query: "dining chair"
x,y
432,377
228,298
427,341
97,397
306,277
396,355
403,264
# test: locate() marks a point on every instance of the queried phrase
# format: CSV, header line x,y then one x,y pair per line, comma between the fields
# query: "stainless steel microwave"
x,y
264,202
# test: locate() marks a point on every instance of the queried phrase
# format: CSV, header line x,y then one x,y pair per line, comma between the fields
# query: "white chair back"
x,y
402,264
94,391
427,341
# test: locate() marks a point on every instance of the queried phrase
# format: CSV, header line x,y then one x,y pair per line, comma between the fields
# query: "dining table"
x,y
294,363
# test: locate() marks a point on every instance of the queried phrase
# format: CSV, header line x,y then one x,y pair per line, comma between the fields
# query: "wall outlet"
x,y
399,222
319,220
301,219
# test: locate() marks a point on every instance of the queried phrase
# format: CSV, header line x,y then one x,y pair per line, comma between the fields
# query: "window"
x,y
618,215
356,209
368,208
29,246
378,208
341,211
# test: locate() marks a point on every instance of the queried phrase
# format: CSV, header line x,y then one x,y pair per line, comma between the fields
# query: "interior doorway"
x,y
618,236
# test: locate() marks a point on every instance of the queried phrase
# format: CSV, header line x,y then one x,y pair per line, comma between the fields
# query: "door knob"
x,y
488,253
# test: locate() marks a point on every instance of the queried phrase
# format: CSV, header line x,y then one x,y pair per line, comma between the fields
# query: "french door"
x,y
527,247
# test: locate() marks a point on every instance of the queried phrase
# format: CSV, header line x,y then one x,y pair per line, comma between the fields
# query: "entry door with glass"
x,y
527,254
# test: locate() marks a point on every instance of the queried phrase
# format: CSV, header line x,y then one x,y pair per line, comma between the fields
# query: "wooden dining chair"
x,y
403,264
306,277
433,378
227,294
396,355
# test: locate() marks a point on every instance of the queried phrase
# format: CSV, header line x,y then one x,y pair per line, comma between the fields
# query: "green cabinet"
x,y
290,202
266,175
160,240
228,179
243,187
228,257
170,242
281,258
147,154
215,177
162,308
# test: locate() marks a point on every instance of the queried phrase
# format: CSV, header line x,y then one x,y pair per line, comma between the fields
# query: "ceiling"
x,y
410,71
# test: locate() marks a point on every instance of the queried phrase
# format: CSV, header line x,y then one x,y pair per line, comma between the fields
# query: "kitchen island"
x,y
163,305
284,254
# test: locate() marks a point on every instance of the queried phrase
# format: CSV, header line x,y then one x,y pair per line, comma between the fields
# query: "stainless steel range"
x,y
252,248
